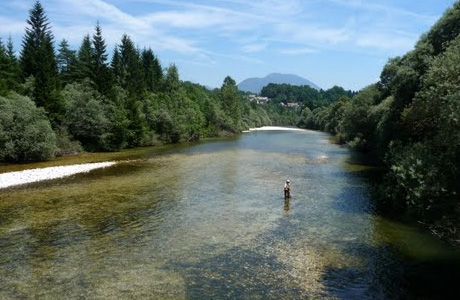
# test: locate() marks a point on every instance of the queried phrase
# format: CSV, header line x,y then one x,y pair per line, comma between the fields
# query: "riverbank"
x,y
18,174
29,176
275,128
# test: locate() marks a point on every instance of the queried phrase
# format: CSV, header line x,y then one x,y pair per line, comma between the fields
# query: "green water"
x,y
208,221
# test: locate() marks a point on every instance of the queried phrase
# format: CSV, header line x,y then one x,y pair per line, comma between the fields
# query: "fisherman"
x,y
287,189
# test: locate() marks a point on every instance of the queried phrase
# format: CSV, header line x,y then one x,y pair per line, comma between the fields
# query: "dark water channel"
x,y
209,222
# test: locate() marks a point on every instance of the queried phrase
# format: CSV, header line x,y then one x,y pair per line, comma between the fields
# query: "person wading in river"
x,y
287,189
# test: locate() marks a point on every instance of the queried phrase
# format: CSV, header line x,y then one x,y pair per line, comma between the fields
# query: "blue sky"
x,y
330,42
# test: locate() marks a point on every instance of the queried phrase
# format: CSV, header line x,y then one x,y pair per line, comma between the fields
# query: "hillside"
x,y
255,85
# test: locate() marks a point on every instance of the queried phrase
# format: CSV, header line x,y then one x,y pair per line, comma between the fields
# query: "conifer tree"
x,y
84,59
38,60
115,65
100,68
10,50
12,66
3,68
153,72
131,70
172,81
66,61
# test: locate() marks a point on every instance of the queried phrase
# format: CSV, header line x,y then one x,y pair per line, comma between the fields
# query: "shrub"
x,y
25,131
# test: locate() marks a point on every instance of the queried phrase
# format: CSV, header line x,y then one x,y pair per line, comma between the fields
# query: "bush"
x,y
417,181
25,131
85,117
65,144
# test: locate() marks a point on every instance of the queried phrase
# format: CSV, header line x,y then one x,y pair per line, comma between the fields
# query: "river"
x,y
208,221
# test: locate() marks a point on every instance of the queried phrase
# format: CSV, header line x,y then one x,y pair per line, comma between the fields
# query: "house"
x,y
291,105
259,99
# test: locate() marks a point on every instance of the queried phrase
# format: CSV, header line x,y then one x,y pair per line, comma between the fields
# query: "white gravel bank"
x,y
271,128
34,175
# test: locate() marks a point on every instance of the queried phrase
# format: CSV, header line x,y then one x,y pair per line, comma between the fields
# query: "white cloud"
x,y
376,7
386,41
196,29
298,51
254,47
13,27
309,34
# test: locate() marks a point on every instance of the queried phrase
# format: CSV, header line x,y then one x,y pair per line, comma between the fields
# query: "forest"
x,y
410,121
62,102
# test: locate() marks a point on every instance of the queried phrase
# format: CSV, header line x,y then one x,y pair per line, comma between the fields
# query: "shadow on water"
x,y
353,200
389,274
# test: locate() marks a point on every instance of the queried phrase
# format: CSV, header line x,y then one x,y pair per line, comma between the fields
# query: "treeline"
x,y
305,95
410,119
56,103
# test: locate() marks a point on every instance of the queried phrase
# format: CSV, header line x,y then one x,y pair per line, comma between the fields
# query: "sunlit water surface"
x,y
209,222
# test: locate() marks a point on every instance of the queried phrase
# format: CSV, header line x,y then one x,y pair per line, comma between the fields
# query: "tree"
x,y
115,66
25,132
230,101
153,74
172,81
66,62
84,60
3,68
100,74
12,70
38,60
131,75
85,116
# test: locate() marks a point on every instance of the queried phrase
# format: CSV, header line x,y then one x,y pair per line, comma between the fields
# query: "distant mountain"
x,y
255,85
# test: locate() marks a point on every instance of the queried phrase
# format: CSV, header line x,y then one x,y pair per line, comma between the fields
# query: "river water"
x,y
209,221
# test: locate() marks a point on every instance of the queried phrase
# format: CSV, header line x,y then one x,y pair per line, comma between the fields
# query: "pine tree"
x,y
66,61
84,59
100,68
153,73
38,60
131,70
10,50
3,68
115,65
172,81
13,70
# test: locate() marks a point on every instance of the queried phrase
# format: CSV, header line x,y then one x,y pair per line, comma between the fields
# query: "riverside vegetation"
x,y
410,120
61,103
56,104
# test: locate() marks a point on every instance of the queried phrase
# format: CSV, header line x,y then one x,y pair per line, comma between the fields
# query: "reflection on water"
x,y
210,222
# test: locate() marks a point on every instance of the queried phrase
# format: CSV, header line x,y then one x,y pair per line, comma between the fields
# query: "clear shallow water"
x,y
209,222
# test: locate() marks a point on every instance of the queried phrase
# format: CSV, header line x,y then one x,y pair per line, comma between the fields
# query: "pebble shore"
x,y
35,175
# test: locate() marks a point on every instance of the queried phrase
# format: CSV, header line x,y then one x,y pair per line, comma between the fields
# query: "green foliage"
x,y
65,144
358,124
85,116
130,103
130,68
307,119
411,120
153,73
9,68
84,60
38,59
305,95
66,62
417,181
231,99
100,73
25,132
